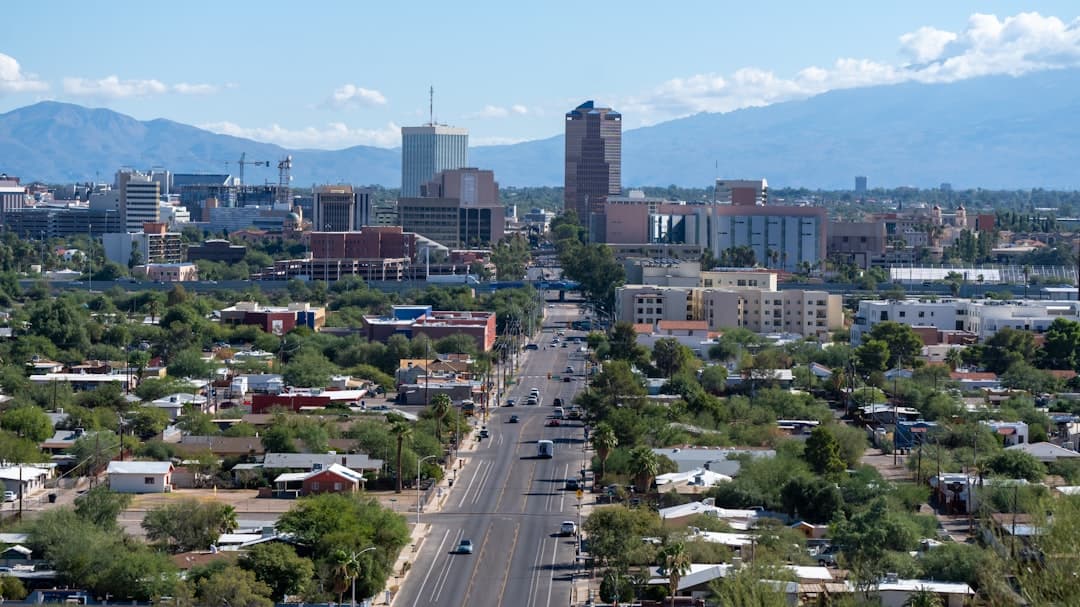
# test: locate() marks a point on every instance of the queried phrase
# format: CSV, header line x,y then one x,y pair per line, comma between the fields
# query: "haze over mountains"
x,y
991,132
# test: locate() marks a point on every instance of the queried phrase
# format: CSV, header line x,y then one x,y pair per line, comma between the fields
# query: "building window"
x,y
903,314
148,480
921,314
315,486
337,486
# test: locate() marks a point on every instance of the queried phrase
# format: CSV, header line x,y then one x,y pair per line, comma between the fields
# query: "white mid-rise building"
x,y
983,318
139,199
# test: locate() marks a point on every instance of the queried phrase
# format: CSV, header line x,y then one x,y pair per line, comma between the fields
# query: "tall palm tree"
x,y
402,430
344,568
643,465
603,440
440,405
677,564
953,358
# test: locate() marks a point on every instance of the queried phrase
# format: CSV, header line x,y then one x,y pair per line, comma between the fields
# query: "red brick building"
x,y
422,320
277,320
369,243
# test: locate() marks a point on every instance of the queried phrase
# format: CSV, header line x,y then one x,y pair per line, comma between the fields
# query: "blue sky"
x,y
335,74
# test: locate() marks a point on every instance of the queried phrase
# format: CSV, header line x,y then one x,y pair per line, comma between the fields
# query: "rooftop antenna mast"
x,y
431,105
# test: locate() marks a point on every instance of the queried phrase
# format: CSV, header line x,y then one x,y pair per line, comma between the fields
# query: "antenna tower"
x,y
431,105
284,190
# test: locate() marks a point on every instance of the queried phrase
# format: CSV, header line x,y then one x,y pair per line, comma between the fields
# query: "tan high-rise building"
x,y
340,208
593,159
459,209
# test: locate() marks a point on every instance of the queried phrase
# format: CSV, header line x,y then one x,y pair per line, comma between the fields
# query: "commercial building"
x,y
369,243
422,320
429,150
742,192
153,244
860,185
61,222
460,208
330,270
195,189
812,314
983,318
857,242
217,250
340,208
780,236
277,320
170,272
139,198
12,196
593,159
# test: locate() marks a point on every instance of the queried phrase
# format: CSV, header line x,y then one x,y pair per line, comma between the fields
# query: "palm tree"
x,y
440,405
344,568
643,465
676,564
953,358
603,440
228,521
402,430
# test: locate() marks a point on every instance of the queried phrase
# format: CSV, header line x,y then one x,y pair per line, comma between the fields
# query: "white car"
x,y
568,528
10,496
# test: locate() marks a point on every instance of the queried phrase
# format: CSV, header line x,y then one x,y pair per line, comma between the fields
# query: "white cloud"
x,y
185,88
497,111
496,140
112,87
333,136
13,80
988,45
350,95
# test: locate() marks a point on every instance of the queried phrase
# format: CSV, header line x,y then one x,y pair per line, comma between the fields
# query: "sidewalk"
x,y
583,586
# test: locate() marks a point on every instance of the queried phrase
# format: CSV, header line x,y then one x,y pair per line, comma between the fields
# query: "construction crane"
x,y
244,162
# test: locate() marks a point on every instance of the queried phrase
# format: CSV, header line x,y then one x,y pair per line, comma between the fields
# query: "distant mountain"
x,y
991,132
61,142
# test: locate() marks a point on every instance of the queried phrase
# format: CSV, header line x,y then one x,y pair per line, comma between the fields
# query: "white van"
x,y
559,413
545,449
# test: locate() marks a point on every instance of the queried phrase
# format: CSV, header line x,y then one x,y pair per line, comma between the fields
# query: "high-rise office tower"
x,y
139,199
340,208
429,150
860,184
593,159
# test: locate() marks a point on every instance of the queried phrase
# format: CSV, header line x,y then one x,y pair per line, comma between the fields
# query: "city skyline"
x,y
286,85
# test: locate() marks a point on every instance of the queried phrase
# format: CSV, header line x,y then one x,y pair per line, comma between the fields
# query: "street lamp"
x,y
418,462
354,564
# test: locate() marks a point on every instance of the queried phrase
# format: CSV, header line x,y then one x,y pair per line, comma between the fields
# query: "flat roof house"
x,y
140,477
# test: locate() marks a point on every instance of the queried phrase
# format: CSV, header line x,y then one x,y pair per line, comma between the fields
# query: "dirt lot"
x,y
884,465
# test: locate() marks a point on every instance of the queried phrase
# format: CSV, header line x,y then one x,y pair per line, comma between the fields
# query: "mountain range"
x,y
990,132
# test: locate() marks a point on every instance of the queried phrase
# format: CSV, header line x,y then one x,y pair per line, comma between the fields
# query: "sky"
x,y
331,75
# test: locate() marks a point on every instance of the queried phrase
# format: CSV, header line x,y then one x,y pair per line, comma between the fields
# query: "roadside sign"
x,y
580,494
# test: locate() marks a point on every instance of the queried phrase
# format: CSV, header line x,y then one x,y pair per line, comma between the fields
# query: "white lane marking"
x,y
465,494
483,481
534,583
420,591
440,582
551,573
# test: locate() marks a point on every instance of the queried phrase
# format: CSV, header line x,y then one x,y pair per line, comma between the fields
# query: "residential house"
x,y
694,481
681,515
896,592
976,380
140,477
724,461
333,479
307,462
26,480
1012,433
83,382
1045,452
174,404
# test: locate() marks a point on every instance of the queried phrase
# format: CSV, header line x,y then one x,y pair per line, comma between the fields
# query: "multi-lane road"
x,y
509,502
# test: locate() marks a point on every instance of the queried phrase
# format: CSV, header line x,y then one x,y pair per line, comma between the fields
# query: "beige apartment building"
x,y
812,314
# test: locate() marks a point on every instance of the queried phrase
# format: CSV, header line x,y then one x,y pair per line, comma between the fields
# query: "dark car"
x,y
552,422
510,402
567,379
557,403
532,347
572,484
513,419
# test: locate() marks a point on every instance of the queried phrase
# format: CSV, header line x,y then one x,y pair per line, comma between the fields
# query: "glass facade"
x,y
429,150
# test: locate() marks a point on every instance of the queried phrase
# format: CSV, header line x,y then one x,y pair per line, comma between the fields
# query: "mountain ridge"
x,y
991,132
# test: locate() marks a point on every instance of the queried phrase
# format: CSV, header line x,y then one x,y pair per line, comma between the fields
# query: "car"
x,y
568,370
558,402
484,432
531,401
510,402
464,547
532,347
567,379
553,422
9,496
572,484
513,419
568,528
564,344
826,556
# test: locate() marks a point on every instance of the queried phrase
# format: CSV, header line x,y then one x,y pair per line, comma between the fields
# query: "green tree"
x,y
750,586
672,357
644,465
278,438
603,440
1012,463
234,587
823,452
278,566
814,500
1007,347
28,422
1022,376
510,256
903,343
714,379
676,563
623,345
11,588
101,506
872,356
189,363
615,534
1061,349
402,431
189,524
95,450
440,407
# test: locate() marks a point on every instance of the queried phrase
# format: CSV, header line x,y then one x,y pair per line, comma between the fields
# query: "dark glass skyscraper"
x,y
593,159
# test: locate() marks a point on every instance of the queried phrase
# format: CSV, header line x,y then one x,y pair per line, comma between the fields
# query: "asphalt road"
x,y
508,502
